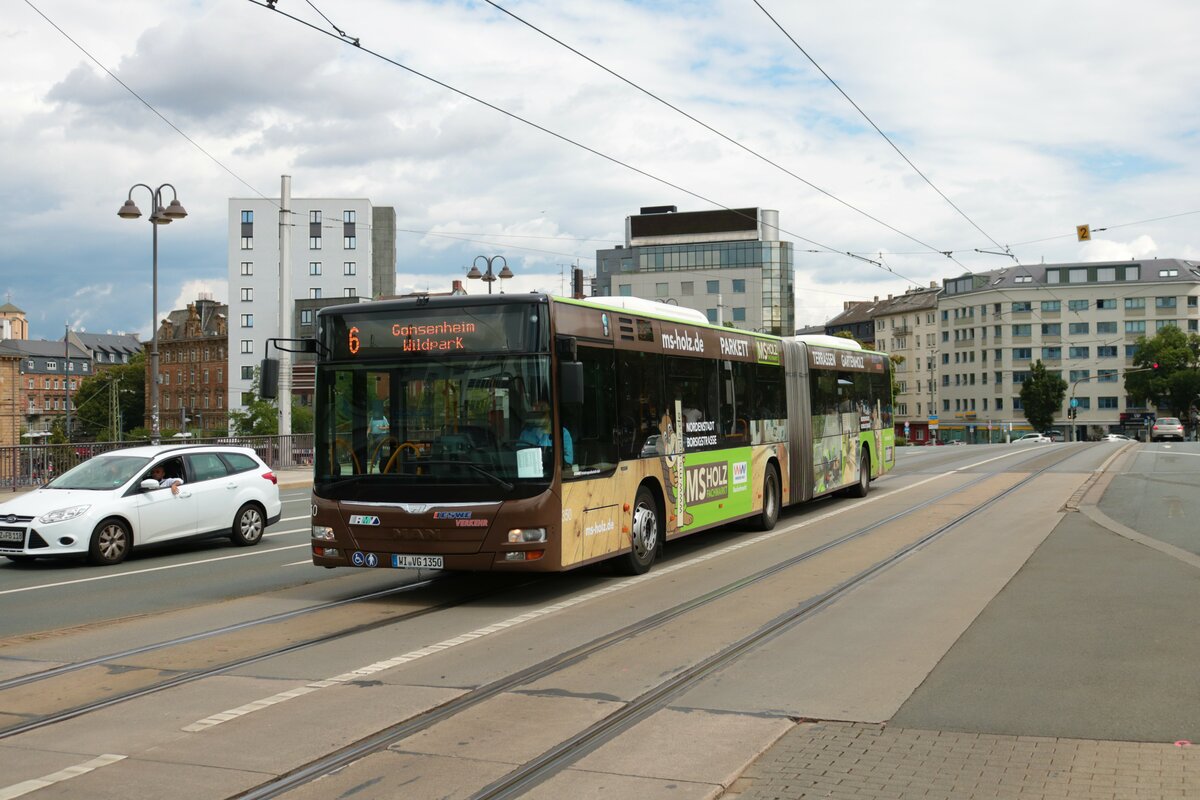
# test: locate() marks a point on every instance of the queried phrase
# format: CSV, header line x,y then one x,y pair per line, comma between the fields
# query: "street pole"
x,y
67,371
285,305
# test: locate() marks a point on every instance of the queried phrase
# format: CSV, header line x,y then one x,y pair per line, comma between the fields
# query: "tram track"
x,y
191,676
554,760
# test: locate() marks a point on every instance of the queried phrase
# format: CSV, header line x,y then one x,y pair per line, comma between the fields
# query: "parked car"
x,y
110,504
1115,437
1166,428
1035,438
1056,436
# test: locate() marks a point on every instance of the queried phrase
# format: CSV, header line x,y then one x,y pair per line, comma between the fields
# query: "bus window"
x,y
736,412
591,424
693,384
640,403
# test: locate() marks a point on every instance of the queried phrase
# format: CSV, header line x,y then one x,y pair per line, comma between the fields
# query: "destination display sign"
x,y
416,331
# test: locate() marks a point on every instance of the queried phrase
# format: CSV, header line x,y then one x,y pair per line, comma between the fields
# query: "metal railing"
x,y
35,464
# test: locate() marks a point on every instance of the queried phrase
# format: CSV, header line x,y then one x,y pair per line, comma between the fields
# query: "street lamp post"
x,y
158,216
489,276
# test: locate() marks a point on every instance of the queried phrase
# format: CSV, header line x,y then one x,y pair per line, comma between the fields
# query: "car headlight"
x,y
62,514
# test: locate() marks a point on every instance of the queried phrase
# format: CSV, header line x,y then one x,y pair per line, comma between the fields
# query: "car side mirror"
x,y
149,484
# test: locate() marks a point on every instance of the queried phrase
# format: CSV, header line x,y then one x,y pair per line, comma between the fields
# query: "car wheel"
x,y
111,541
770,510
248,526
643,534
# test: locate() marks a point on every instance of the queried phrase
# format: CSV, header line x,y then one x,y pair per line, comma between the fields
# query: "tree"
x,y
1171,370
92,402
1042,396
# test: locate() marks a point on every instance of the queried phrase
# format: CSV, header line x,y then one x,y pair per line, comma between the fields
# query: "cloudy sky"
x,y
1032,117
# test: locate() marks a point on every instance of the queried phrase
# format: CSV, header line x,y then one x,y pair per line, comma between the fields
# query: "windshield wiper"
x,y
508,487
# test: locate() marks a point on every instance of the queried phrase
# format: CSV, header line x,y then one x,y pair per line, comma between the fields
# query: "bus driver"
x,y
536,432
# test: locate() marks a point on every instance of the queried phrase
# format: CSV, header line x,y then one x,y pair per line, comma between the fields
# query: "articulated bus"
x,y
538,433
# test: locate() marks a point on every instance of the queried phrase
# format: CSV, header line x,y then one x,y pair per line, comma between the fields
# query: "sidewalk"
x,y
1076,681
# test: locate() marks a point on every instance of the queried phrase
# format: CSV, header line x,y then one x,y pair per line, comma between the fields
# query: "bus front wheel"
x,y
643,534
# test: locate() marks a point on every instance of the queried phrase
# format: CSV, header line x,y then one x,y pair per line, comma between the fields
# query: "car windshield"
x,y
1168,421
102,473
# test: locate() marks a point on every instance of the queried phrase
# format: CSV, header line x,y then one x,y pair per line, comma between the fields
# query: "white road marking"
x,y
25,787
113,575
307,561
529,616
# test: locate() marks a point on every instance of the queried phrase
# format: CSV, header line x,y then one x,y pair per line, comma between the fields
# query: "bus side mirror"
x,y
268,379
570,382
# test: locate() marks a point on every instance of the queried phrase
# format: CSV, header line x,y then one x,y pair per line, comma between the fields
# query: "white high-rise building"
x,y
339,247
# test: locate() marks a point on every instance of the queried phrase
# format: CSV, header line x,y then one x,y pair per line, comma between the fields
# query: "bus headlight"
x,y
526,535
322,532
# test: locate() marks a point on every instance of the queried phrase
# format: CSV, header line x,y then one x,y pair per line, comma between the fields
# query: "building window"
x,y
739,314
1106,327
712,287
247,267
660,290
1051,329
206,376
1022,353
1022,330
1077,328
1106,351
1164,302
1135,326
1022,305
711,313
1165,323
247,320
1051,305
247,242
306,316
1083,403
1106,376
350,268
247,217
1107,402
687,288
247,373
247,345
314,243
350,217
51,365
1079,375
1135,302
739,285
247,295
1052,353
350,291
314,268
1108,303
314,293
1168,273
314,217
349,242
625,290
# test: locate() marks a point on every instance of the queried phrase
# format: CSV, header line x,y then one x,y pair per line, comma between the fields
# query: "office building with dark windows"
x,y
730,265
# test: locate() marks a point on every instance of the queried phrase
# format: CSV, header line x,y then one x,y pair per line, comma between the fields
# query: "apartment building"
x,y
339,248
906,327
1081,320
730,265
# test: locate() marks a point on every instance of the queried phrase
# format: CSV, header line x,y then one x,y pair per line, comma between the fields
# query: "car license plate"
x,y
417,562
12,535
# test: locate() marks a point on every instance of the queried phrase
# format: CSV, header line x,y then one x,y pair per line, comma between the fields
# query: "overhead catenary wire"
x,y
561,137
871,122
713,130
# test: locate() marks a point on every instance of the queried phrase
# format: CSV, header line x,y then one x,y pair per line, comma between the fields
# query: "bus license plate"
x,y
417,562
12,535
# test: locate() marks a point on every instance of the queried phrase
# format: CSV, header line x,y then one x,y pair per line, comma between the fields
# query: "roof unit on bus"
x,y
825,340
638,305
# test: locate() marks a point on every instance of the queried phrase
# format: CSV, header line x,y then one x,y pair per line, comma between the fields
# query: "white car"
x,y
1115,437
110,504
1033,438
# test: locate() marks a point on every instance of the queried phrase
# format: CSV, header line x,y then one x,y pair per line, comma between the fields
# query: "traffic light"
x,y
1154,365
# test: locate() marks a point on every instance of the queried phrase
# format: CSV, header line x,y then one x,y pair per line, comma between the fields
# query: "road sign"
x,y
1074,402
906,429
1083,233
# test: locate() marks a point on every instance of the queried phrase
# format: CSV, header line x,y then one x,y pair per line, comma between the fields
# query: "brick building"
x,y
192,349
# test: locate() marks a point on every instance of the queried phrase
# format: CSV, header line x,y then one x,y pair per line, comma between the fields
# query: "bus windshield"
x,y
426,430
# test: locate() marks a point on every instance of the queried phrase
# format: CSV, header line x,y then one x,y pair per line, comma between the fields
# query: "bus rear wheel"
x,y
770,508
864,475
643,534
